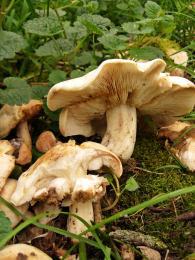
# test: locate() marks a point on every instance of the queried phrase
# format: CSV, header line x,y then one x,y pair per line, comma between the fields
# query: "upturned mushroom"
x,y
116,89
184,148
22,251
60,175
7,161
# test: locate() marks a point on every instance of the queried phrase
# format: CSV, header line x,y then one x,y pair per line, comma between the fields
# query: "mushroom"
x,y
6,193
22,152
10,116
184,149
180,58
117,88
45,141
61,175
7,161
22,251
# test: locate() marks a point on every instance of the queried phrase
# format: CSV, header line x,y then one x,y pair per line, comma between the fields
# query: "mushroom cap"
x,y
45,141
6,193
57,171
10,116
22,251
115,82
7,161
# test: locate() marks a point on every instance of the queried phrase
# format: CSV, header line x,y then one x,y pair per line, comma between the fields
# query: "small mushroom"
x,y
6,193
22,251
61,175
10,116
22,152
7,161
184,149
45,141
180,58
116,89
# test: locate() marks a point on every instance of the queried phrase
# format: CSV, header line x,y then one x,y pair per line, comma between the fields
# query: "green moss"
x,y
150,154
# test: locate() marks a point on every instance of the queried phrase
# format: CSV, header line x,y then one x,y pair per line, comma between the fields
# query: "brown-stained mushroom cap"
x,y
23,252
45,141
7,161
117,88
10,116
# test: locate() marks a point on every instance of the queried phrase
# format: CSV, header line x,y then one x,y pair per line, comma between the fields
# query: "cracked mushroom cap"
x,y
116,82
56,174
10,116
7,161
22,251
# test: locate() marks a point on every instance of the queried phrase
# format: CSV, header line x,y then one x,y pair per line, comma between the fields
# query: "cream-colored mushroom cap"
x,y
60,170
117,88
7,161
22,251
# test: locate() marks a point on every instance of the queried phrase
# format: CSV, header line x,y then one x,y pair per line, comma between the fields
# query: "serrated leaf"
x,y
112,42
146,53
38,92
50,48
92,28
98,20
152,9
76,32
5,225
44,26
82,59
57,76
130,27
131,184
90,68
54,116
122,6
167,24
10,44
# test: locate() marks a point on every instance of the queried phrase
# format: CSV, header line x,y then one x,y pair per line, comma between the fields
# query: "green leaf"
x,y
108,177
57,76
92,28
5,225
54,49
130,27
82,59
10,44
38,92
152,9
44,26
15,83
167,24
112,42
98,20
76,32
122,6
54,116
77,73
131,184
146,53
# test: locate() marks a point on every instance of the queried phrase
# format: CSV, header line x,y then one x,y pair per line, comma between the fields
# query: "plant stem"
x,y
59,19
10,6
2,11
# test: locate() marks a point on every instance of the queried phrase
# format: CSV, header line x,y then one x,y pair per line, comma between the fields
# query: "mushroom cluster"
x,y
115,90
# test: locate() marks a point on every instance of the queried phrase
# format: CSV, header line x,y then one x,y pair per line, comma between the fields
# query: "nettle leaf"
x,y
136,28
98,20
5,225
38,92
131,184
44,26
10,44
51,48
92,28
112,42
54,116
146,53
76,32
152,9
82,59
15,83
57,76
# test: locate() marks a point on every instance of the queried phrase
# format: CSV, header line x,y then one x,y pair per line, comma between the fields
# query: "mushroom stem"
x,y
23,132
83,210
120,135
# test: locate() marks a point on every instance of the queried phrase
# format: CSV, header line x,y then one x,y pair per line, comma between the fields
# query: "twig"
x,y
187,216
